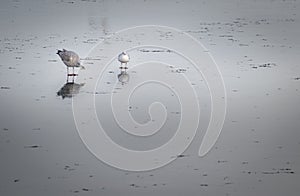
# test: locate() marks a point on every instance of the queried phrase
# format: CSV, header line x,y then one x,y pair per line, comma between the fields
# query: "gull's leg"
x,y
73,71
67,74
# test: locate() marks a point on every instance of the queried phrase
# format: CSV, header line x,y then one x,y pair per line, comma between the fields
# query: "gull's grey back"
x,y
70,58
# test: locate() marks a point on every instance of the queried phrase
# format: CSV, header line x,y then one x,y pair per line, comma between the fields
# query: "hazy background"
x,y
255,44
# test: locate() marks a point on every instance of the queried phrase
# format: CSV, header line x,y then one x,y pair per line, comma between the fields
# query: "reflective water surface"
x,y
254,43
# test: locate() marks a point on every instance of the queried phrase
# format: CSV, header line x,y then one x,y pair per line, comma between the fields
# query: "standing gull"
x,y
70,59
124,59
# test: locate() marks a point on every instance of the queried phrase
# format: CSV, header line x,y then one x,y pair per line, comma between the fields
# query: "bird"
x,y
124,59
70,59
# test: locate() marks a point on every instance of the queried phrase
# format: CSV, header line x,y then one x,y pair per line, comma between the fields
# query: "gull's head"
x,y
58,52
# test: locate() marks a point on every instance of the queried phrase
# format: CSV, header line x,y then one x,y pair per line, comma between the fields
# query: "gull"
x,y
124,59
70,59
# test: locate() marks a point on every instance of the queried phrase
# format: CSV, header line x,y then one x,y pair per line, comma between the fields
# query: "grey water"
x,y
255,45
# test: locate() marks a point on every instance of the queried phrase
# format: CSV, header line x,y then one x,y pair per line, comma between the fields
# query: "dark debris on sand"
x,y
279,171
297,78
16,180
33,146
5,87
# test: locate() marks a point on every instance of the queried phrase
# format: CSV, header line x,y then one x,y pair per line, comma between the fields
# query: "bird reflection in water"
x,y
123,77
69,89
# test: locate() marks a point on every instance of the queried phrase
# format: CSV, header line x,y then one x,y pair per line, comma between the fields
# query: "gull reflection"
x,y
123,77
69,89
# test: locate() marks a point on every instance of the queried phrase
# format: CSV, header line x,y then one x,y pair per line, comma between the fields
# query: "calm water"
x,y
255,45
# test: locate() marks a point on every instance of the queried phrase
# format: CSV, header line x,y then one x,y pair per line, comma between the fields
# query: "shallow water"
x,y
255,45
